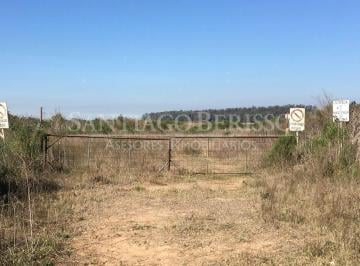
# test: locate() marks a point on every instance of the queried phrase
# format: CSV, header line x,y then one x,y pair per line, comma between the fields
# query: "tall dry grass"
x,y
317,190
30,217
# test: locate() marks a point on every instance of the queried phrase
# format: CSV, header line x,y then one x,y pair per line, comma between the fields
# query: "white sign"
x,y
297,119
4,119
341,110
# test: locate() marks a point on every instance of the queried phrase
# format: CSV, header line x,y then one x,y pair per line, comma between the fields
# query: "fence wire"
x,y
134,155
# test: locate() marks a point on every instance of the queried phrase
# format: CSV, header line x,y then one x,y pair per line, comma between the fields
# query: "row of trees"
x,y
247,114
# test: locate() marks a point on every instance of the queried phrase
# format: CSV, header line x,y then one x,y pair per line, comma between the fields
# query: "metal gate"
x,y
154,154
219,154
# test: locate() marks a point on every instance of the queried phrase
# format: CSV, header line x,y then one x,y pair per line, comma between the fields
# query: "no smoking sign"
x,y
297,119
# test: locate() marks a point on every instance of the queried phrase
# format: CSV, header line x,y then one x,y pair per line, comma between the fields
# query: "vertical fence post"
x,y
207,155
88,155
41,116
246,161
45,150
129,158
169,154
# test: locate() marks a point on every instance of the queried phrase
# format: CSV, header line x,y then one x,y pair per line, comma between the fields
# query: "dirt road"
x,y
194,222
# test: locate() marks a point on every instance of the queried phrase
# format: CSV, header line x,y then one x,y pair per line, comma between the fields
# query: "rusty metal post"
x,y
45,150
169,154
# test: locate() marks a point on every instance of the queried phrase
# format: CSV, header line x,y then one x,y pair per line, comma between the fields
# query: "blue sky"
x,y
132,57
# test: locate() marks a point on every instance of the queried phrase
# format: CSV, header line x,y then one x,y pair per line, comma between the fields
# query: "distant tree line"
x,y
246,114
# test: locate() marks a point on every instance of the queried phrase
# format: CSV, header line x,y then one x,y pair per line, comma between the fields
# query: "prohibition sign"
x,y
297,115
2,111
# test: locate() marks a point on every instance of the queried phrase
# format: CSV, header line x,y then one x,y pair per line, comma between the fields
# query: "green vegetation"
x,y
283,151
20,155
26,237
318,190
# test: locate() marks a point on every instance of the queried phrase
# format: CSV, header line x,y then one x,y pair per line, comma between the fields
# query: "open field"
x,y
106,201
202,133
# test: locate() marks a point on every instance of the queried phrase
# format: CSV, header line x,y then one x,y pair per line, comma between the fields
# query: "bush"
x,y
331,152
283,151
20,156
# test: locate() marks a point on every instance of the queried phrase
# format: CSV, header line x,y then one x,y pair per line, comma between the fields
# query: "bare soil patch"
x,y
196,222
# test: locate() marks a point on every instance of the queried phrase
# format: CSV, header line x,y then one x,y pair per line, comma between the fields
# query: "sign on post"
x,y
297,119
4,119
341,110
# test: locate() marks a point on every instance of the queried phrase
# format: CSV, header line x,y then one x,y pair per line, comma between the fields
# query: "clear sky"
x,y
137,56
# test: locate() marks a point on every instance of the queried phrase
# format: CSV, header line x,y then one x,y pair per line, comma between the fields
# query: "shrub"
x,y
331,152
20,156
283,151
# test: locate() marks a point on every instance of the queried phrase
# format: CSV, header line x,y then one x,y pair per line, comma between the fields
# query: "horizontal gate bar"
x,y
109,137
127,137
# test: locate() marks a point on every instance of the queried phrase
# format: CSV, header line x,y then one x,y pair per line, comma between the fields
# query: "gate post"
x,y
45,150
169,154
207,155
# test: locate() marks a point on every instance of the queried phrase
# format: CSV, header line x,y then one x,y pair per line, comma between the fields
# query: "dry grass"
x,y
33,231
31,218
319,192
117,208
271,219
183,222
192,221
327,208
116,158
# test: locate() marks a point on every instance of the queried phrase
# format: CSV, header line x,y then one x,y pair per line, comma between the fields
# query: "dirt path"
x,y
203,222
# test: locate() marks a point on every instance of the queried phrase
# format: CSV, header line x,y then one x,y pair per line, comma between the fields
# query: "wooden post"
x,y
41,116
169,154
